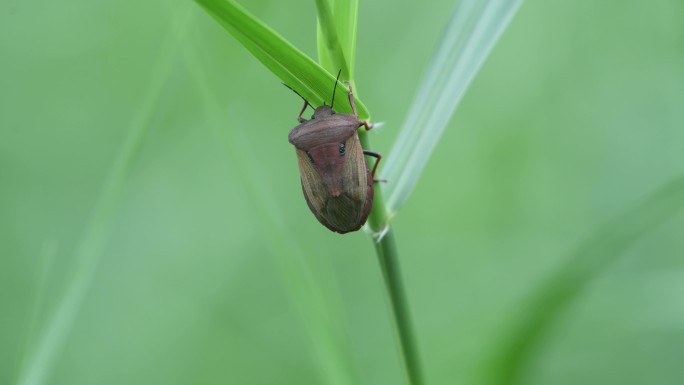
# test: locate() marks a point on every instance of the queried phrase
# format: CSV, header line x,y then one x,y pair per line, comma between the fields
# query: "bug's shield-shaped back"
x,y
338,186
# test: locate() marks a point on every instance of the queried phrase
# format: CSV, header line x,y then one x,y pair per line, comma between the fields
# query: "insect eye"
x,y
308,154
342,149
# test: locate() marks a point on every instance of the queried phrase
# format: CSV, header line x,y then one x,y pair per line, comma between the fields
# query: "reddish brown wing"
x,y
337,184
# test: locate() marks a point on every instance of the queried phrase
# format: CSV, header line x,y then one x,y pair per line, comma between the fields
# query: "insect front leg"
x,y
299,117
353,106
377,157
351,98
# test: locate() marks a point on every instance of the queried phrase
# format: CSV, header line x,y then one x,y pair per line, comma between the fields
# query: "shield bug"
x,y
336,180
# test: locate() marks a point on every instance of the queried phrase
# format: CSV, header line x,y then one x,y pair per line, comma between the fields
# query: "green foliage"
x,y
293,67
330,49
144,162
472,31
340,34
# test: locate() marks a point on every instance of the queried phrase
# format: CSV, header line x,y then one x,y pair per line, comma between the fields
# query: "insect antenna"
x,y
332,102
298,94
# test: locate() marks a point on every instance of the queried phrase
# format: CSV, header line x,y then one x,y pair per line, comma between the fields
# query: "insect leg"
x,y
306,104
351,98
299,117
353,106
377,157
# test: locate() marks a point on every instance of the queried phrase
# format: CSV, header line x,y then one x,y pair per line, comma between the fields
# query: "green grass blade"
x,y
324,58
346,14
292,66
474,28
337,35
587,262
329,42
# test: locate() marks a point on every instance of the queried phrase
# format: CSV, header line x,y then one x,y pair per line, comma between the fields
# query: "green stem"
x,y
386,249
389,263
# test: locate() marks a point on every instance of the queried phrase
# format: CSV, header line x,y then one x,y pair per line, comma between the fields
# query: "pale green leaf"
x,y
473,29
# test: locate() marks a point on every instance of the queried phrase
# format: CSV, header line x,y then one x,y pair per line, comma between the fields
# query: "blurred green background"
x,y
199,261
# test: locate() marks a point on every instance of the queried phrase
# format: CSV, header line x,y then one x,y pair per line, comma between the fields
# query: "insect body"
x,y
336,180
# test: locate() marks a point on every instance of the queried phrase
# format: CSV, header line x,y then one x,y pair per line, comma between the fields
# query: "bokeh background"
x,y
144,166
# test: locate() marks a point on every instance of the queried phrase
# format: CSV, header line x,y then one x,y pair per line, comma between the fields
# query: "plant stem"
x,y
386,250
389,264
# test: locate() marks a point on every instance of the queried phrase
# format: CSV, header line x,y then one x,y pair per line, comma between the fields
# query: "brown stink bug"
x,y
337,182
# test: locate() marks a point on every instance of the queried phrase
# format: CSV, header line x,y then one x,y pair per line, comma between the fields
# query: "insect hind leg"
x,y
377,157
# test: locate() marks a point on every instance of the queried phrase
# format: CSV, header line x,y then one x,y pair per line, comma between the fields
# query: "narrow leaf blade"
x,y
342,23
292,66
346,14
473,29
329,42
